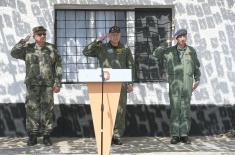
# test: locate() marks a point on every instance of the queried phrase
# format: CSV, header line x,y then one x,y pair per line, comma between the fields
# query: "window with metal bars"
x,y
142,30
152,29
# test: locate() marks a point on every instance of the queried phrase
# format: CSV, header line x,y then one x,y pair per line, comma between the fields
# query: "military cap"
x,y
114,29
180,32
38,29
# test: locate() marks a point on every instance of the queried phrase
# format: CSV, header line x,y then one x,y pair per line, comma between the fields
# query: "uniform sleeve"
x,y
159,52
197,72
130,63
58,69
19,50
91,49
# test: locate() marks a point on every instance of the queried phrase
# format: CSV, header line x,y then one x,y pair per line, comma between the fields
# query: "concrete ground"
x,y
208,145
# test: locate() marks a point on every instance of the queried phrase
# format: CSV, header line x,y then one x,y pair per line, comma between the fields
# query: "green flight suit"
x,y
43,71
183,69
119,57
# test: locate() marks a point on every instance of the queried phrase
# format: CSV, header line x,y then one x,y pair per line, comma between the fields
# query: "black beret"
x,y
38,29
180,32
114,29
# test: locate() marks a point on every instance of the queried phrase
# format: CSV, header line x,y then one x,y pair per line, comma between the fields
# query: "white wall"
x,y
211,26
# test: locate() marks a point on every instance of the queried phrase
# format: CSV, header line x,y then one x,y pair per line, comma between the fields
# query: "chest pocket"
x,y
172,62
122,57
188,64
32,59
46,65
120,51
32,65
46,59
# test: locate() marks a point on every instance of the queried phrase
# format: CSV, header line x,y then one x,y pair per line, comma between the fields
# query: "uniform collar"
x,y
181,49
39,47
114,46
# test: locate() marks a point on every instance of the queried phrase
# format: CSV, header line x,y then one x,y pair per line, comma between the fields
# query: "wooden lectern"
x,y
111,93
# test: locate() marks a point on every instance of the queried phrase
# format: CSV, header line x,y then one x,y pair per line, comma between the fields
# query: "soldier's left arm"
x,y
197,72
58,68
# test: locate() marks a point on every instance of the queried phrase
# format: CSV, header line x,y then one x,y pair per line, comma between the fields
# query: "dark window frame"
x,y
155,70
134,52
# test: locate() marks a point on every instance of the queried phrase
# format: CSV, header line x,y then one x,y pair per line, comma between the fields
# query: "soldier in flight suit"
x,y
43,77
183,77
117,56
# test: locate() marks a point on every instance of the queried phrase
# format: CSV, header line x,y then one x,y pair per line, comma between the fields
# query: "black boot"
x,y
175,140
116,141
47,140
185,139
32,140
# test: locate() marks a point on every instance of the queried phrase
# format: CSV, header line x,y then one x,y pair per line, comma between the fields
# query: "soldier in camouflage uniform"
x,y
117,56
183,77
43,77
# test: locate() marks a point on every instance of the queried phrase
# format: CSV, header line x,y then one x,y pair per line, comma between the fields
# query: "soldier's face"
x,y
40,37
181,40
114,37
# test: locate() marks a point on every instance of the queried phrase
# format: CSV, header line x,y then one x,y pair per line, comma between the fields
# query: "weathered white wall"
x,y
211,26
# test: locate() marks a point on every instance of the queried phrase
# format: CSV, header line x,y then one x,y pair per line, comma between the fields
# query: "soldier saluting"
x,y
117,56
43,77
183,77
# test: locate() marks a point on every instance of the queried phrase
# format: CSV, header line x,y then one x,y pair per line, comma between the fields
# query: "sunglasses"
x,y
40,34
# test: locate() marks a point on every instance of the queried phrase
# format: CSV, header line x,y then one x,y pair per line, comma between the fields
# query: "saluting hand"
x,y
26,39
101,38
195,85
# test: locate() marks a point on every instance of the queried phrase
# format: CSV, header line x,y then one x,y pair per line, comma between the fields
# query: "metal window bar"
x,y
93,63
153,27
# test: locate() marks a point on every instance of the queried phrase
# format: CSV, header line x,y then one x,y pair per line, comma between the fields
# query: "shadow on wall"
x,y
153,120
142,120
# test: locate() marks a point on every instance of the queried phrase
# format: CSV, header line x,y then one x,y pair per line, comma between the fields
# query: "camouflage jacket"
x,y
182,68
119,57
43,65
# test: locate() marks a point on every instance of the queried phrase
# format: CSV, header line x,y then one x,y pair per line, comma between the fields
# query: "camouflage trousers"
x,y
121,113
39,109
180,119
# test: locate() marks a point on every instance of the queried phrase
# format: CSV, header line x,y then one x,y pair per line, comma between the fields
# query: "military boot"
x,y
175,140
47,140
116,141
185,139
32,140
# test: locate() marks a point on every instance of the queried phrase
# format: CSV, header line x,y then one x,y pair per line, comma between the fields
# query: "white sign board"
x,y
94,75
